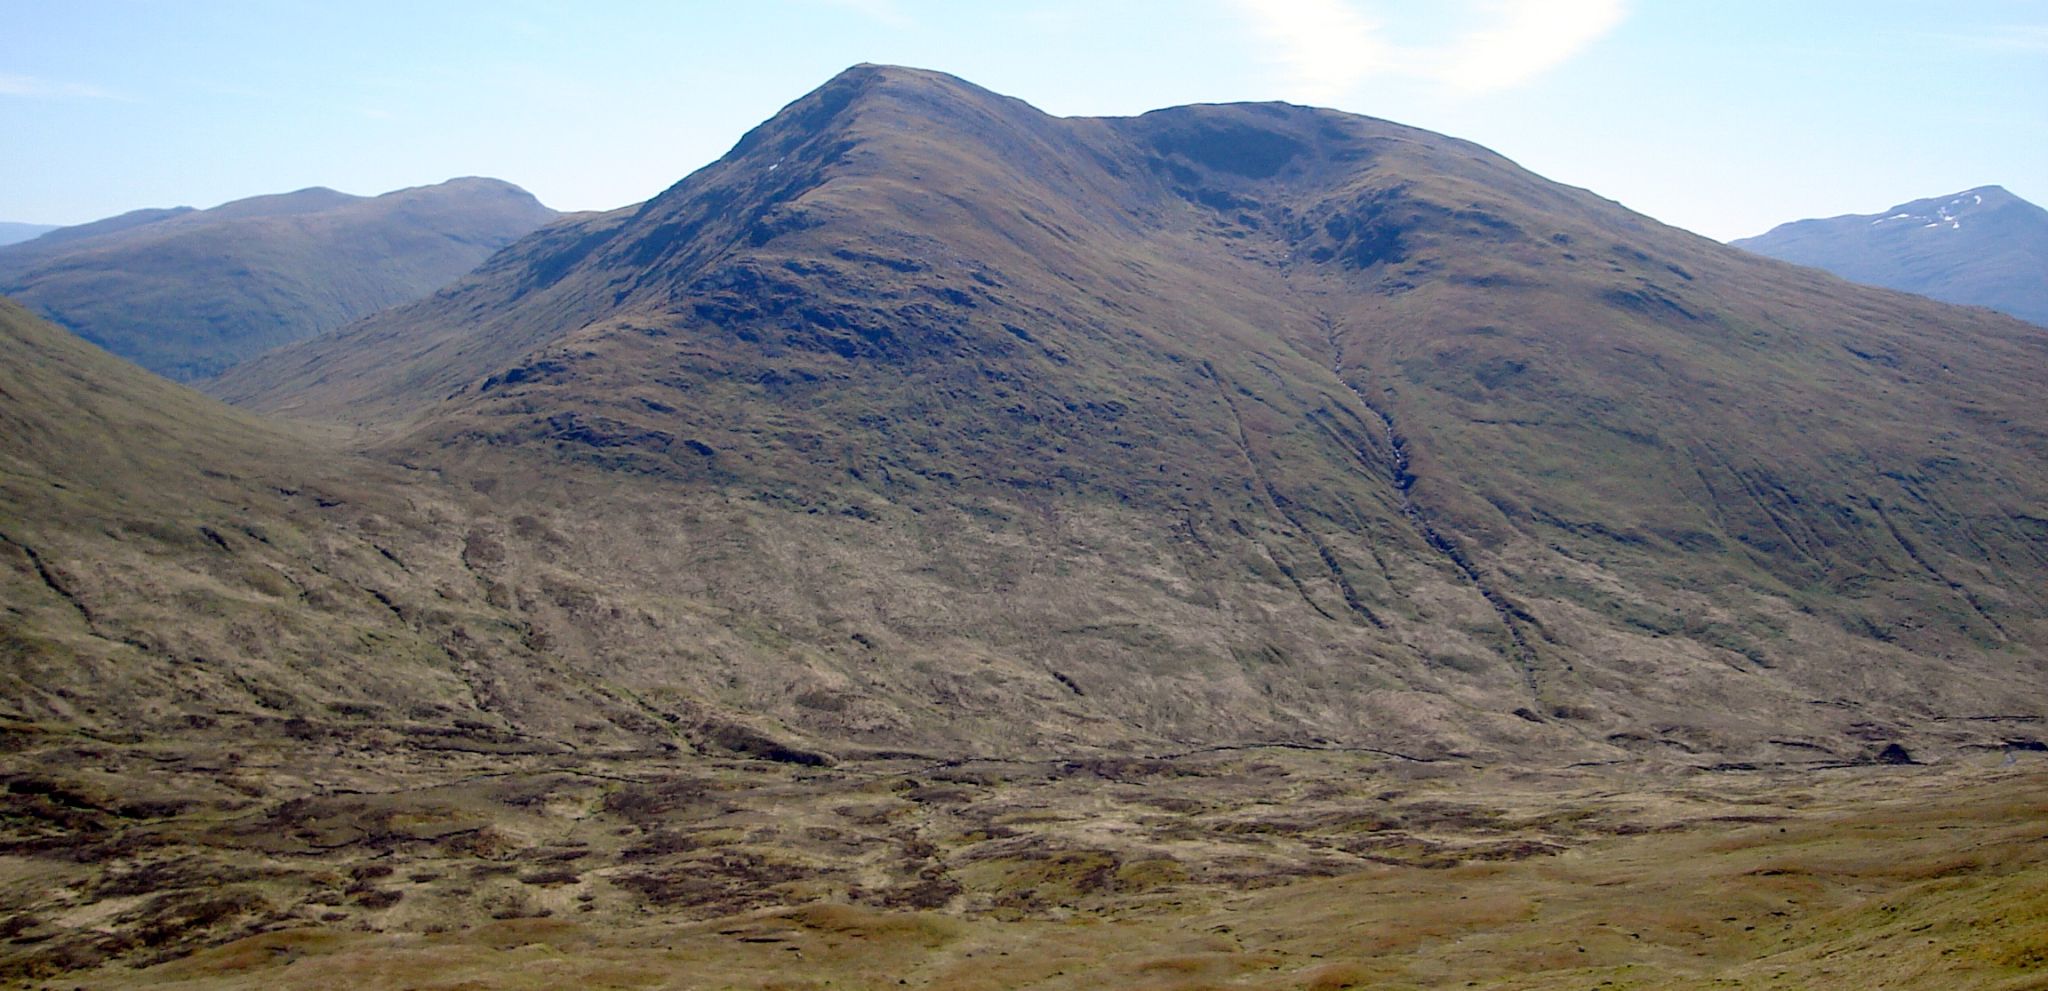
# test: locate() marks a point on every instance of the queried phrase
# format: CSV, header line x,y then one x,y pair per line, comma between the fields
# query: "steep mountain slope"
x,y
173,566
13,233
963,424
1983,247
188,292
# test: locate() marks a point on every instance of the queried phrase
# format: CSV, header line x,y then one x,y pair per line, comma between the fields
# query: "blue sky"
x,y
1721,116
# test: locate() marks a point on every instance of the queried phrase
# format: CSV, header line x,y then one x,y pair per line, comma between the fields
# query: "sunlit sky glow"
x,y
1723,117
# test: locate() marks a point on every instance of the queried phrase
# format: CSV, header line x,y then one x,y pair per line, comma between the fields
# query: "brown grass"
x,y
1663,910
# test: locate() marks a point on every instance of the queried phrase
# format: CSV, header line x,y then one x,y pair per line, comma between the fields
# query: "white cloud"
x,y
1327,48
1524,39
13,84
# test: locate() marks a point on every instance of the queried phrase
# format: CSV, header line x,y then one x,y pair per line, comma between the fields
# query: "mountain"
x,y
11,232
1224,423
1982,247
188,292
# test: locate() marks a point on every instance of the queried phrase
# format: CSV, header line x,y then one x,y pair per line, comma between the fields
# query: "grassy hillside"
x,y
276,713
174,566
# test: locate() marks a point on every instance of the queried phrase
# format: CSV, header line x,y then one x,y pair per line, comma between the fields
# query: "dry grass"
x,y
1918,878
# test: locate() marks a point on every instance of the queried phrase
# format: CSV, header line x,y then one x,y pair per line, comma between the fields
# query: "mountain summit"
x,y
1983,247
1225,422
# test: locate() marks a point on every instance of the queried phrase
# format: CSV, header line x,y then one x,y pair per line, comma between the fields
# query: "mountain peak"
x,y
1944,208
931,98
468,191
1983,246
312,199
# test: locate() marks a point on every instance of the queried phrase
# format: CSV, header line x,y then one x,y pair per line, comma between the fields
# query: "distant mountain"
x,y
188,292
1983,247
13,233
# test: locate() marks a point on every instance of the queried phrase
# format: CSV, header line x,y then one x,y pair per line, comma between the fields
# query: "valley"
x,y
942,544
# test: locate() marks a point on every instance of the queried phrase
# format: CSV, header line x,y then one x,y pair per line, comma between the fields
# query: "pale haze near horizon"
x,y
1723,118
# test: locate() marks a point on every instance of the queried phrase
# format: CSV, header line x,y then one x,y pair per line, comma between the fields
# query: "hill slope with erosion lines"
x,y
1251,419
